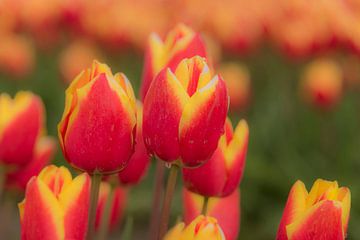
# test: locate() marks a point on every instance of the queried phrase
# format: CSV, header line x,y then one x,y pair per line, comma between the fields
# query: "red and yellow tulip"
x,y
44,152
55,205
21,122
182,42
140,160
117,207
226,210
221,175
201,228
322,213
322,83
185,112
96,131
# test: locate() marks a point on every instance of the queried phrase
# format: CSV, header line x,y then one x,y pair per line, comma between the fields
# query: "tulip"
x,y
322,213
55,205
226,210
322,83
96,131
184,113
182,42
21,121
201,228
237,78
221,175
140,160
117,205
44,152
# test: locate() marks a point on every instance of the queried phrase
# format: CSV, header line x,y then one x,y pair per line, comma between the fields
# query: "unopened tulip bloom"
x,y
322,83
185,112
226,210
221,175
237,78
55,205
201,228
181,42
44,152
140,160
96,131
21,122
117,205
322,213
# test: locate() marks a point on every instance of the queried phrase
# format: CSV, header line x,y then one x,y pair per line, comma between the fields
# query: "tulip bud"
x,y
21,121
96,131
322,83
117,205
44,152
140,160
237,78
55,205
184,113
201,228
182,42
226,210
323,213
221,175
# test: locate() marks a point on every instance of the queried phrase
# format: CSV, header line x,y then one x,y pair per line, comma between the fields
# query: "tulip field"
x,y
179,120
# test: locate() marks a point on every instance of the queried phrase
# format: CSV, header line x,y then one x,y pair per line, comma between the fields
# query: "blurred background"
x,y
292,68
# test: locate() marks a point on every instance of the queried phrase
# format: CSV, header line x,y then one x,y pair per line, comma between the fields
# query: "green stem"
x,y
105,218
205,206
94,196
170,188
156,202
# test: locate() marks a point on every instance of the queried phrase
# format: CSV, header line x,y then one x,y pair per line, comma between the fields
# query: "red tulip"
x,y
180,43
118,203
21,121
323,213
226,210
55,206
140,160
221,175
184,113
96,131
44,152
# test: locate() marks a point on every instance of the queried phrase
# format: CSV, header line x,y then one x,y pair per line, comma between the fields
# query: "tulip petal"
x,y
102,119
74,200
294,207
202,122
163,106
321,221
42,214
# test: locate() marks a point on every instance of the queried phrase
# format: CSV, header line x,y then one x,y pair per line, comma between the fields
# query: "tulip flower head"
x,y
140,160
182,42
322,83
21,121
185,112
226,210
96,131
201,228
55,205
221,175
322,213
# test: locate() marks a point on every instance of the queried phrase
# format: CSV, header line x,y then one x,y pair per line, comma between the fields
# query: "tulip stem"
x,y
205,206
94,197
105,218
170,188
156,202
2,181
